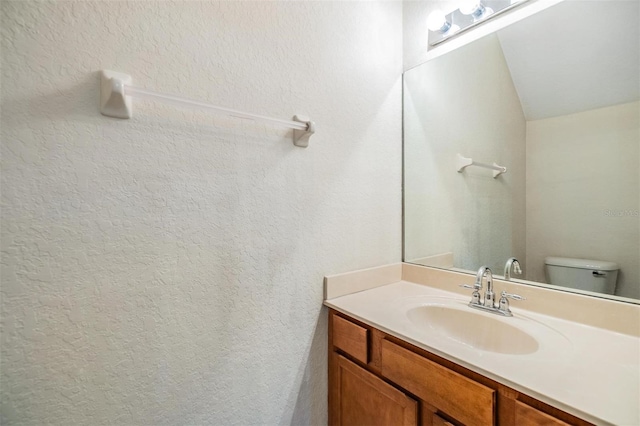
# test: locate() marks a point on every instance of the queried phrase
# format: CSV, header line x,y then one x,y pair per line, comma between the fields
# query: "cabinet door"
x,y
360,398
529,416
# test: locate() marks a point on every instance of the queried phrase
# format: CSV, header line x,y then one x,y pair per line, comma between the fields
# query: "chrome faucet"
x,y
512,263
489,296
489,304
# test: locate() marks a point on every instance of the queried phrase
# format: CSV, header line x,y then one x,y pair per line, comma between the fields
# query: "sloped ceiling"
x,y
575,56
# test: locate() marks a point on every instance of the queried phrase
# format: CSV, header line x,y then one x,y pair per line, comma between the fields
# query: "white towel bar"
x,y
116,92
464,162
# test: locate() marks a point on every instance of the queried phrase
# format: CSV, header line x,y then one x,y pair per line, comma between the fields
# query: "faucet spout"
x,y
489,296
479,277
512,263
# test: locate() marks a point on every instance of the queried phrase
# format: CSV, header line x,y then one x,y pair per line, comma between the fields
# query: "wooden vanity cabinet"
x,y
529,416
464,399
436,420
377,379
365,399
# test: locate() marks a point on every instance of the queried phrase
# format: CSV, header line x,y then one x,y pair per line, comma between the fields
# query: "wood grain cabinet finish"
x,y
351,338
377,379
364,399
529,416
463,399
439,421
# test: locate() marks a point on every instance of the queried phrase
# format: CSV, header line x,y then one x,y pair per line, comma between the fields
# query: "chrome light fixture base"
x,y
460,22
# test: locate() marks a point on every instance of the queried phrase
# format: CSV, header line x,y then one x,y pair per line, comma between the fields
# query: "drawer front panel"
x,y
351,338
459,397
529,416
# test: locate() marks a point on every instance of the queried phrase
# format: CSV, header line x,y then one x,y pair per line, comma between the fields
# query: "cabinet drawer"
x,y
529,416
350,338
459,397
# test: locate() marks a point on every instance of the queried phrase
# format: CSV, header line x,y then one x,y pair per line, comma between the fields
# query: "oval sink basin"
x,y
475,329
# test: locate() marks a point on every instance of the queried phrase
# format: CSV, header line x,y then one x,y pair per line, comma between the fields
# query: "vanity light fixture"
x,y
475,9
437,22
470,14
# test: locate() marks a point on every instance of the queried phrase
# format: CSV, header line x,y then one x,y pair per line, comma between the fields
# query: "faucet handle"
x,y
505,295
516,268
475,296
503,304
472,287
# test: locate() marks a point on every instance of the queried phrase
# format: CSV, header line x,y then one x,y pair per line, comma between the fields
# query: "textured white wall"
x,y
464,102
583,191
168,269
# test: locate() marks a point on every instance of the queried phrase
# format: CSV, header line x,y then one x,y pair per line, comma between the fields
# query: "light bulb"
x,y
474,8
437,22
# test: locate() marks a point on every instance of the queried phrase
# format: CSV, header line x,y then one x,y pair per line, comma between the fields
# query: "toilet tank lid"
x,y
581,263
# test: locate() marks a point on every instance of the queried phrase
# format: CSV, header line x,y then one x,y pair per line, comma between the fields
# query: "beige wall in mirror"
x,y
551,107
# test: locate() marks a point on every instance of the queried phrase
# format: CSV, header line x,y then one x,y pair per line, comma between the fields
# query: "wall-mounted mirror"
x,y
554,98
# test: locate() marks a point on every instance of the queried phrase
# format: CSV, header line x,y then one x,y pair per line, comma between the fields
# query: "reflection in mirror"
x,y
555,99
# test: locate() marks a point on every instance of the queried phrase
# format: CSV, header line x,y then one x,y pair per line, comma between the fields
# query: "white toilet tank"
x,y
582,274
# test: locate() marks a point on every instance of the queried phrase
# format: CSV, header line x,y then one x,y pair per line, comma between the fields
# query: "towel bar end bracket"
x,y
301,137
113,101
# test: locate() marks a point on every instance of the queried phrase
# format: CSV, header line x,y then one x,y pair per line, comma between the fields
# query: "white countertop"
x,y
587,371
